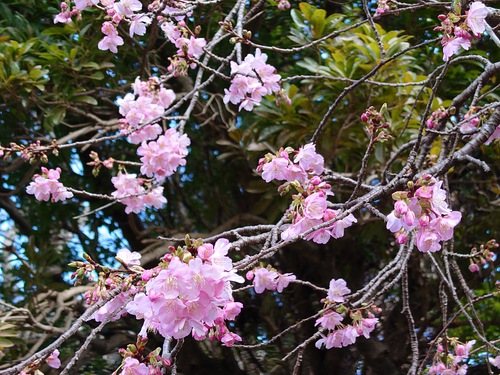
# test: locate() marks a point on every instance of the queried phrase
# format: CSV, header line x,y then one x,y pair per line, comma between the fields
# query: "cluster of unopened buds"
x,y
309,207
384,6
283,4
423,209
449,355
435,117
480,258
251,81
375,124
269,278
457,29
97,163
32,153
336,334
137,362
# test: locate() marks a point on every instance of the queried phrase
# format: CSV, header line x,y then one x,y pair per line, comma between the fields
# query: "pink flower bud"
x,y
316,180
147,275
473,267
424,220
401,237
250,275
400,207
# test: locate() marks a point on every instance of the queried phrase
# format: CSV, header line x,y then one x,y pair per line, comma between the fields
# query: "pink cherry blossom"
x,y
476,16
171,31
127,7
315,205
112,309
428,240
63,17
462,351
130,258
330,320
493,136
365,326
232,309
301,225
53,359
275,170
444,225
495,361
451,45
110,42
138,25
337,290
264,279
284,280
438,199
309,160
131,366
82,4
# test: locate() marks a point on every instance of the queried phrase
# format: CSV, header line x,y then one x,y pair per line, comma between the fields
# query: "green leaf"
x,y
85,99
4,343
318,22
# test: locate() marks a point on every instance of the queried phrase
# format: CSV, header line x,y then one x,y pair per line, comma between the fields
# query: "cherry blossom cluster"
x,y
457,29
123,11
309,207
190,295
251,81
336,334
269,278
189,45
423,209
450,352
161,158
146,104
482,256
136,193
47,186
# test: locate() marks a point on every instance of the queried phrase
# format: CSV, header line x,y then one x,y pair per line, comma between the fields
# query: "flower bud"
x,y
473,267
